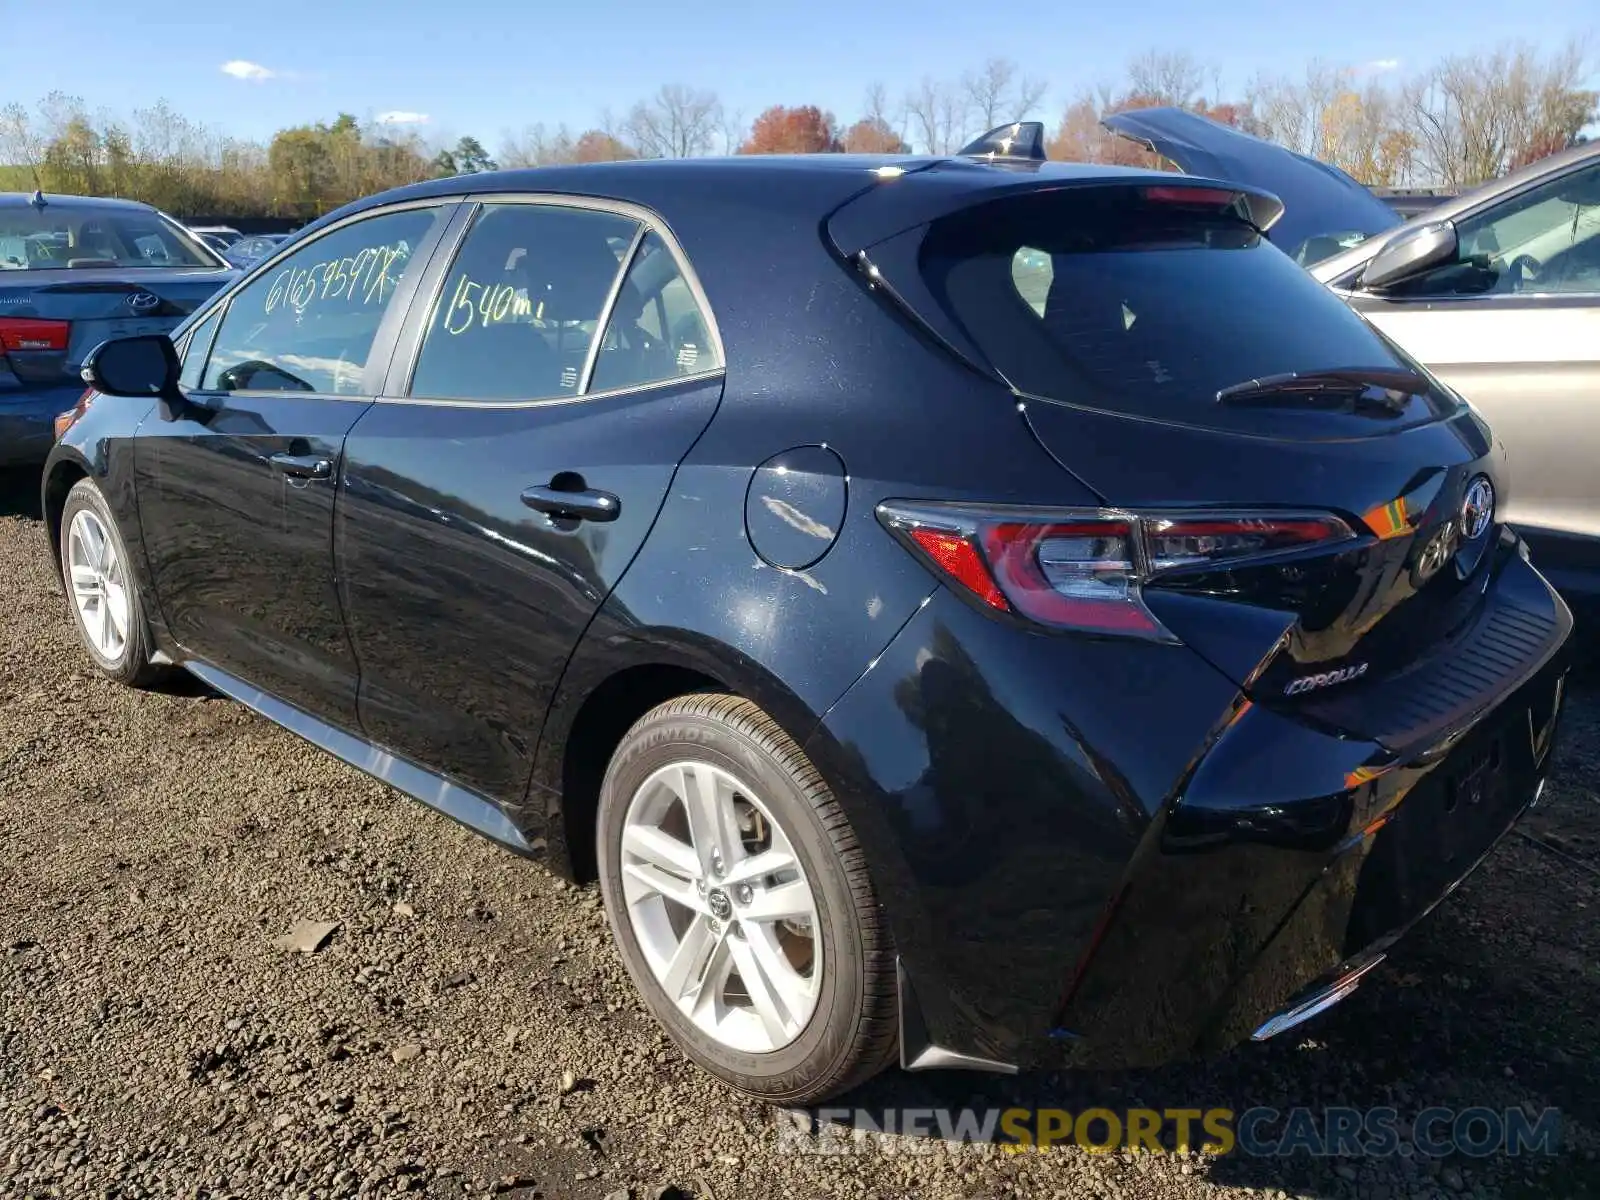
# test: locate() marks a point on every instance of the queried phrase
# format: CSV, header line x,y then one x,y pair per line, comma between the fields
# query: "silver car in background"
x,y
1497,291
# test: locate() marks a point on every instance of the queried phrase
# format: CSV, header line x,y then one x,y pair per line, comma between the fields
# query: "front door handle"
x,y
302,466
583,504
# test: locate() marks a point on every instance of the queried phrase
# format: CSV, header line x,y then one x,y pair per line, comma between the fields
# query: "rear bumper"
x,y
1270,925
1293,855
27,423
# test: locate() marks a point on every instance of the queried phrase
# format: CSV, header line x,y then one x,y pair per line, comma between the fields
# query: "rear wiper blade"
x,y
1388,388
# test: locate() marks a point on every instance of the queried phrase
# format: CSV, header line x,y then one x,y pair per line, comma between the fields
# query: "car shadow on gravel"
x,y
19,492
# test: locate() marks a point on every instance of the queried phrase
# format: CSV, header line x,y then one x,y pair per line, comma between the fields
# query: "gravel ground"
x,y
467,1028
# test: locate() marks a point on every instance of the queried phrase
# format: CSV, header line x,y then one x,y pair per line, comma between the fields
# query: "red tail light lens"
x,y
29,333
1084,570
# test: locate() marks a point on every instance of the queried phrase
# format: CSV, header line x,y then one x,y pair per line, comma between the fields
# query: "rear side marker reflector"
x,y
1083,569
958,558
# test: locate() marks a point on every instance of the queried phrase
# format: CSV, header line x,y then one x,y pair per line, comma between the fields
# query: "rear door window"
x,y
1099,297
521,304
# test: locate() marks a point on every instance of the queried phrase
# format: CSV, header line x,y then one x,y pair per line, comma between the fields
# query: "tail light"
x,y
1083,569
29,333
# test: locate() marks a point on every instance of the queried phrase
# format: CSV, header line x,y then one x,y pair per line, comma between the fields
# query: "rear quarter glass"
x,y
1098,298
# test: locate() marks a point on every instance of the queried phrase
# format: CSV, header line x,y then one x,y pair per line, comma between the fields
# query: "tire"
x,y
85,517
851,1031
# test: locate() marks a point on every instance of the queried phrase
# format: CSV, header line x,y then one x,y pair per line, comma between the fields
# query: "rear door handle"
x,y
586,504
302,466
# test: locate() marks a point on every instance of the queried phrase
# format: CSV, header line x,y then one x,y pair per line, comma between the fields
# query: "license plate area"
x,y
1466,784
1466,807
122,329
1445,824
86,335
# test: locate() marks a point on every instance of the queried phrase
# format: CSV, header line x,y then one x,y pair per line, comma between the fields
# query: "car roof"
x,y
54,199
812,183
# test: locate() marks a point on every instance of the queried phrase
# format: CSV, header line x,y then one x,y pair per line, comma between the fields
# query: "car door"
x,y
564,365
237,484
1513,324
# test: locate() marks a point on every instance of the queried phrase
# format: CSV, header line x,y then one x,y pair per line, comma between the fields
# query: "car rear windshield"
x,y
1106,298
63,236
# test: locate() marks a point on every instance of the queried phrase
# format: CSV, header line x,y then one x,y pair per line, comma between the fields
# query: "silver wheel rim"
x,y
99,585
721,908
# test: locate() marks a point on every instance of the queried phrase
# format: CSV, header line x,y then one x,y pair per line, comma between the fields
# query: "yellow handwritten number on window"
x,y
484,304
365,278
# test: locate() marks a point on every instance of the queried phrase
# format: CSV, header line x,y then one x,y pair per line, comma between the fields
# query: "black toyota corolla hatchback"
x,y
972,609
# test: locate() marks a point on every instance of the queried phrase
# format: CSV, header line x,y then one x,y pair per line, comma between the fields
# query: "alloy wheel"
x,y
721,907
99,585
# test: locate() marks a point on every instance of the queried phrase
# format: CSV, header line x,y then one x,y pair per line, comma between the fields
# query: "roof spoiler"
x,y
1021,141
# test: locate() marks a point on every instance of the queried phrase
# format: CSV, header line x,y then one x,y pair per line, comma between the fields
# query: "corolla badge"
x,y
1310,683
1477,510
143,301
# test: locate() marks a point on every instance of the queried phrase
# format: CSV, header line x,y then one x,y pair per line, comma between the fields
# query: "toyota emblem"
x,y
143,301
1477,510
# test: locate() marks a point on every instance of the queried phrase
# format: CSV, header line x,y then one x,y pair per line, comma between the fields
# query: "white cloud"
x,y
400,116
248,71
1384,64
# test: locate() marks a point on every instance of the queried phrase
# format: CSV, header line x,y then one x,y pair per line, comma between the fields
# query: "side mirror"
x,y
1410,254
134,366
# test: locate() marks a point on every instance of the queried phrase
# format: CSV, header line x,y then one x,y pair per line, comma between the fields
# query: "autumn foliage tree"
x,y
872,135
803,130
594,146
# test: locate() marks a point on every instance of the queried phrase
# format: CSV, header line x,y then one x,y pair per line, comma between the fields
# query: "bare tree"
x,y
1294,111
677,122
879,129
1474,116
997,93
875,108
936,111
21,143
1167,77
730,131
536,146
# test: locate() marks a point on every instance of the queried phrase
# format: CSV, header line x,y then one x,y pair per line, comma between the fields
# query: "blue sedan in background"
x,y
75,272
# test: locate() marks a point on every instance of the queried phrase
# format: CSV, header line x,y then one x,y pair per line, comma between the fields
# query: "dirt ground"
x,y
468,1028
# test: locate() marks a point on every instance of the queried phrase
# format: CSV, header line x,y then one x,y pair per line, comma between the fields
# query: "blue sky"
x,y
486,66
